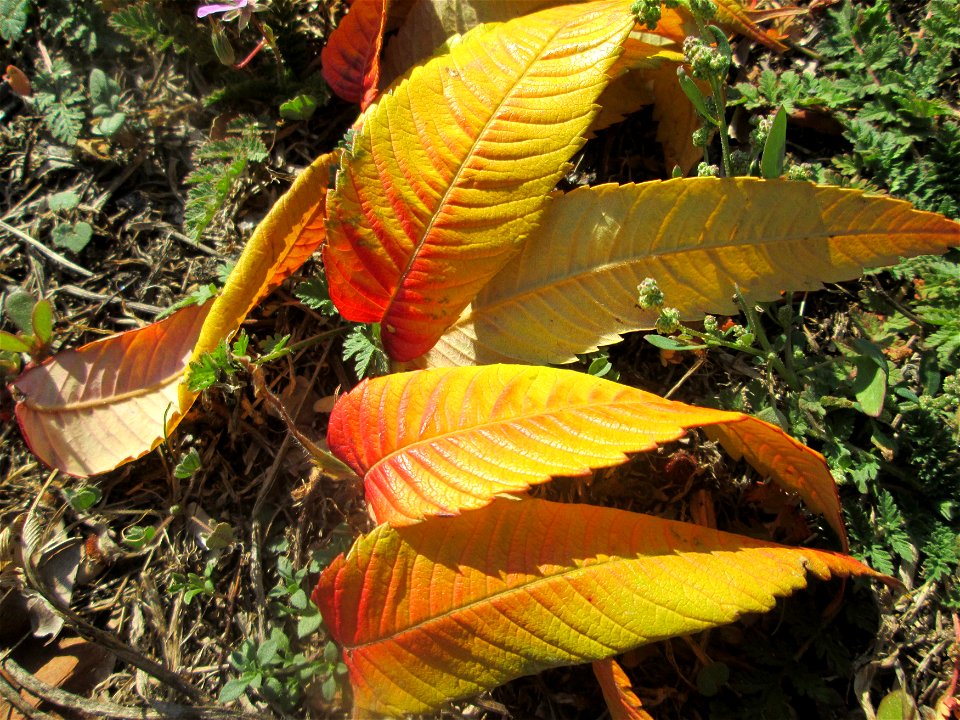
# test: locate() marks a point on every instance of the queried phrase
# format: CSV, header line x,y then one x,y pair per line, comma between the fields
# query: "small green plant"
x,y
13,18
193,584
137,537
188,465
105,94
82,498
888,90
34,319
221,164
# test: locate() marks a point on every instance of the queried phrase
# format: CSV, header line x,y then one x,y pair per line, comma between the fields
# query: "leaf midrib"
x,y
453,185
577,276
552,412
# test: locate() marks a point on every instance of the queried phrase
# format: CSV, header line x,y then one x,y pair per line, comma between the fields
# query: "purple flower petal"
x,y
205,10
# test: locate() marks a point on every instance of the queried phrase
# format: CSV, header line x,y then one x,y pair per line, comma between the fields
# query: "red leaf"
x,y
351,58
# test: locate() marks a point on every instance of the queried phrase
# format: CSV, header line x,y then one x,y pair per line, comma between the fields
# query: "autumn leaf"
x,y
430,23
351,57
86,411
442,441
90,410
622,702
447,608
452,168
573,287
282,242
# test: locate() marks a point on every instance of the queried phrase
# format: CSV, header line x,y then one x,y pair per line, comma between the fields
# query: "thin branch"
x,y
100,709
53,255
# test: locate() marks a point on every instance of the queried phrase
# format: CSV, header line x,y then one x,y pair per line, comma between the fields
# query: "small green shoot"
x,y
82,498
105,93
362,344
137,537
188,465
193,584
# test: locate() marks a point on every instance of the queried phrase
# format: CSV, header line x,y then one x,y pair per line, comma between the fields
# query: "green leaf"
x,y
102,87
18,307
13,19
42,321
83,498
362,344
300,107
233,689
712,678
14,344
774,149
188,465
309,622
63,201
72,236
314,294
694,95
268,652
897,705
870,384
669,343
110,125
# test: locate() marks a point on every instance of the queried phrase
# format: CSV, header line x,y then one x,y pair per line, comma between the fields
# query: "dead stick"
x,y
99,709
53,255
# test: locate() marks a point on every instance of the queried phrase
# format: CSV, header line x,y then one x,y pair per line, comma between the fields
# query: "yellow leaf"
x,y
450,607
282,242
452,168
573,288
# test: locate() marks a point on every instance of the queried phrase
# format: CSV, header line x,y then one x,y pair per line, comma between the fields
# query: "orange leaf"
x,y
351,57
437,442
86,411
452,168
447,608
622,702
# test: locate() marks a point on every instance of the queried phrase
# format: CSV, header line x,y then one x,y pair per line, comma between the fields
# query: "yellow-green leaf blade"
x,y
573,287
450,169
442,441
448,608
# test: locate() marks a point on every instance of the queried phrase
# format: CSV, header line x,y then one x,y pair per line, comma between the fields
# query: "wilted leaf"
x,y
573,287
452,168
351,57
447,608
622,702
438,442
89,410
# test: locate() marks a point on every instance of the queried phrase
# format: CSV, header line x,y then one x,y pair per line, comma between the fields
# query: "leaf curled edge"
x,y
441,441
